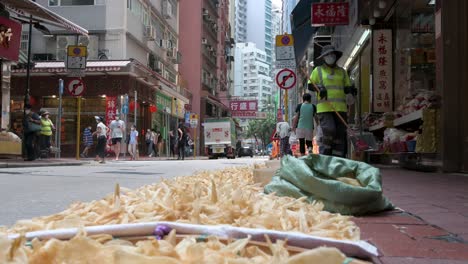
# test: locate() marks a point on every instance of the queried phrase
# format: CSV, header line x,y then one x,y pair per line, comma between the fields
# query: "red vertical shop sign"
x,y
10,38
111,108
330,14
382,96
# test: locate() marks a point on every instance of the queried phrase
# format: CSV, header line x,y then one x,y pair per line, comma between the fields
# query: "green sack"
x,y
315,177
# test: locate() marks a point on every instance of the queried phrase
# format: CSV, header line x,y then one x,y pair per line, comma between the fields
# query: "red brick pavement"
x,y
432,225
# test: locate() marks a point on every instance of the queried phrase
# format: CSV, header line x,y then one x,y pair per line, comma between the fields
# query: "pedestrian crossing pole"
x,y
78,128
286,106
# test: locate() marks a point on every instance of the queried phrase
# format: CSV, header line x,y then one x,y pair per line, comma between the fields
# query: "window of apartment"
x,y
245,74
24,41
70,2
245,81
253,80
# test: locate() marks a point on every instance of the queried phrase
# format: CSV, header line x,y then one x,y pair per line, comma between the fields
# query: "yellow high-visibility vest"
x,y
46,127
334,80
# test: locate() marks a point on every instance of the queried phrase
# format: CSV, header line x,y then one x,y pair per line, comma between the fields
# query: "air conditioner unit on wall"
x,y
91,42
150,33
167,9
159,66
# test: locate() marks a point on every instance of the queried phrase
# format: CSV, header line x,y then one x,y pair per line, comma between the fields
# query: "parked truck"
x,y
220,138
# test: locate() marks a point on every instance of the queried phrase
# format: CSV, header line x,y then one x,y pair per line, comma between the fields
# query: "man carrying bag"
x,y
31,126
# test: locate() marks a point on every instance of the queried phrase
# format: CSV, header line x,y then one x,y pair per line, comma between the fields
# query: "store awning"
x,y
26,8
91,66
302,29
215,101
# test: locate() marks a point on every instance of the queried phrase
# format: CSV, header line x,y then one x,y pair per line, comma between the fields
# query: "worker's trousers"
x,y
334,139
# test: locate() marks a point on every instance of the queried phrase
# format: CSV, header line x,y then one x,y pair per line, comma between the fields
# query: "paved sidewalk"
x,y
20,163
432,225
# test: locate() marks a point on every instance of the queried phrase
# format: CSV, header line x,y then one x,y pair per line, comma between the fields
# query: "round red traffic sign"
x,y
76,87
286,79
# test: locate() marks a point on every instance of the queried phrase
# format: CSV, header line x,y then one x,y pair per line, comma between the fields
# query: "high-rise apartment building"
x,y
254,23
203,44
288,7
252,78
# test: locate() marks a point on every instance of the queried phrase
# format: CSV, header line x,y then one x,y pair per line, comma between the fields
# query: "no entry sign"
x,y
286,79
76,87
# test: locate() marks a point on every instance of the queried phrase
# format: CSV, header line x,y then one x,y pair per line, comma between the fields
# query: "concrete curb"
x,y
32,165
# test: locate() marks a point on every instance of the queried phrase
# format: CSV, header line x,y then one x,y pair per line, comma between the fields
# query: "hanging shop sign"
x,y
382,100
244,108
10,38
178,108
330,14
111,108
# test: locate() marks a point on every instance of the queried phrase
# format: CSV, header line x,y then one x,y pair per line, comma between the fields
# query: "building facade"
x,y
203,43
132,51
254,23
252,78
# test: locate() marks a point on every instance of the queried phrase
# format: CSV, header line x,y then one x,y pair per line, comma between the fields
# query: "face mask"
x,y
117,118
330,59
27,112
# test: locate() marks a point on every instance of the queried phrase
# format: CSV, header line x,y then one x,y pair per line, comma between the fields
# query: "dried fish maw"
x,y
322,255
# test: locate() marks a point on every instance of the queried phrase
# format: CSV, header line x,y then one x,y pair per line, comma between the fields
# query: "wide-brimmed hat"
x,y
45,112
98,118
330,49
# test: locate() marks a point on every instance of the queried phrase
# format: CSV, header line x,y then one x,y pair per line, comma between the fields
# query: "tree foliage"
x,y
262,129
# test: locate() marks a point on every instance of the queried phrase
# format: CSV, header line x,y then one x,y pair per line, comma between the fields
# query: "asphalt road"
x,y
31,192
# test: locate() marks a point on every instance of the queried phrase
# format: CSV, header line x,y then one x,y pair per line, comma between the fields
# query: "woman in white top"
x,y
101,133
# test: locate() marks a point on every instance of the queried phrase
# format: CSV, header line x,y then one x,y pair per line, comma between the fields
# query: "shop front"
x,y
14,13
395,71
110,88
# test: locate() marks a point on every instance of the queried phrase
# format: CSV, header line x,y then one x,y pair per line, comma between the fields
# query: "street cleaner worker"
x,y
333,86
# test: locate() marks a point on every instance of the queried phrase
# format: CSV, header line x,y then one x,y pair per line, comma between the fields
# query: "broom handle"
x,y
334,109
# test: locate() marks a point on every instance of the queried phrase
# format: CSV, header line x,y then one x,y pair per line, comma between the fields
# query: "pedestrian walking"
x,y
283,131
182,141
31,126
47,128
172,143
133,143
334,87
101,134
155,142
149,140
87,141
305,124
159,145
117,128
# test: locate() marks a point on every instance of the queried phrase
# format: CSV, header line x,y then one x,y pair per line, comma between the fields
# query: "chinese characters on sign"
x,y
330,14
383,66
111,108
244,109
10,38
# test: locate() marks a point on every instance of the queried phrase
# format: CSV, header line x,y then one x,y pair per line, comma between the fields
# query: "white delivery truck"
x,y
220,138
